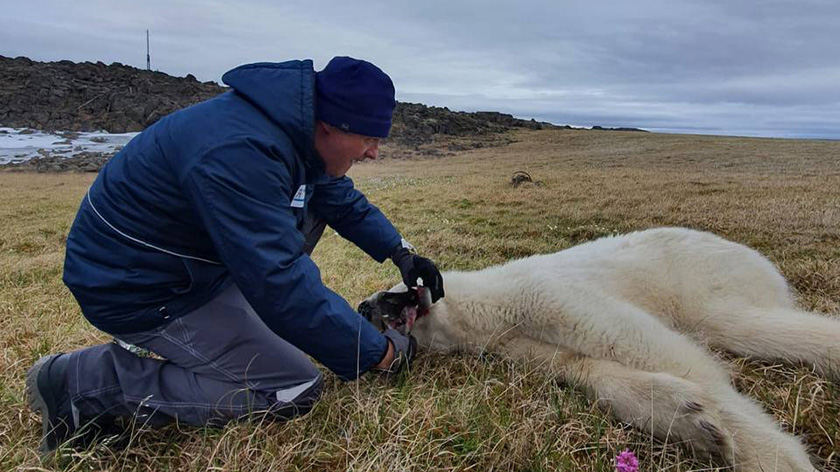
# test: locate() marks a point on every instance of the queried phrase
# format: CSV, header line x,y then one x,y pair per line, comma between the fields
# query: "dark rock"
x,y
416,124
47,162
73,97
64,95
602,128
120,98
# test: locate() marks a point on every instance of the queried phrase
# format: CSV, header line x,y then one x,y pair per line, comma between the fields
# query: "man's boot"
x,y
47,393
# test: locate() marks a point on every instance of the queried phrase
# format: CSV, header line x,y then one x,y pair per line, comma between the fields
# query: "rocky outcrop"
x,y
414,123
87,96
90,96
82,162
602,128
117,98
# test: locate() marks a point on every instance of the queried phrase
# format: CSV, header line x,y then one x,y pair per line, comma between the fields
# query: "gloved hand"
x,y
413,266
405,348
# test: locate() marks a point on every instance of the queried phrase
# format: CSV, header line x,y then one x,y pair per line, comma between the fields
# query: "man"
x,y
194,243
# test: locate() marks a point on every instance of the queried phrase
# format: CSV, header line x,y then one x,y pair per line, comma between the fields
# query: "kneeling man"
x,y
194,243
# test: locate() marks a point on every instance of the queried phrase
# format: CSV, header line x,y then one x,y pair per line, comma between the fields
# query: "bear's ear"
x,y
366,309
400,299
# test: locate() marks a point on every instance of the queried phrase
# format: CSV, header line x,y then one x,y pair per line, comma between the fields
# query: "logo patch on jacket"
x,y
300,197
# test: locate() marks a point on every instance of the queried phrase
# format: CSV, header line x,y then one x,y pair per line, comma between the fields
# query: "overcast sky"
x,y
752,68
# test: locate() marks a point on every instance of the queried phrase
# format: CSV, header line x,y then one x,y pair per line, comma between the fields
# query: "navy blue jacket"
x,y
216,193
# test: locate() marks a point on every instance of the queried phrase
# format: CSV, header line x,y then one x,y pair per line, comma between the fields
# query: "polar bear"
x,y
627,319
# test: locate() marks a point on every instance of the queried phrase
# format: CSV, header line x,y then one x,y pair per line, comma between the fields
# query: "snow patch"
x,y
21,144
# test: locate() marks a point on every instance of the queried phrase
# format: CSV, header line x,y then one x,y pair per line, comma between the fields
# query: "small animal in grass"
x,y
628,320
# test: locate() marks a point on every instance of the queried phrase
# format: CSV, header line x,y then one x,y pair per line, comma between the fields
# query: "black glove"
x,y
405,348
413,266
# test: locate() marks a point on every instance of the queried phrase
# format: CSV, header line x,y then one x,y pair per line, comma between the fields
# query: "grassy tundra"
x,y
780,197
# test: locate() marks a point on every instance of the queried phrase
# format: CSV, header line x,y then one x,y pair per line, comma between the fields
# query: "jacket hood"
x,y
285,92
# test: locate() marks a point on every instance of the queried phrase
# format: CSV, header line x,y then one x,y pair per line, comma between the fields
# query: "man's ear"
x,y
325,127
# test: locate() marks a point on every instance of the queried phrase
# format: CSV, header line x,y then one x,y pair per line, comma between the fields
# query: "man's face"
x,y
339,149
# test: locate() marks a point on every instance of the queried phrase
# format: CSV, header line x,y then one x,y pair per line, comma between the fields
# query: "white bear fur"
x,y
628,318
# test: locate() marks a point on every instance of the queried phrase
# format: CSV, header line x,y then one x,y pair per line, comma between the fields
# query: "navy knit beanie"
x,y
355,96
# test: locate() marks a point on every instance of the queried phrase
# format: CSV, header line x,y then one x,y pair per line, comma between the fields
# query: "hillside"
x,y
88,96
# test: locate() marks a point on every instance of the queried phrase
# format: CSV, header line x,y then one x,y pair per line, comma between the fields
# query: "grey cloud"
x,y
760,68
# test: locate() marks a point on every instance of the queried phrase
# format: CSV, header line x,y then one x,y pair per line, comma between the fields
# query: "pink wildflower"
x,y
626,462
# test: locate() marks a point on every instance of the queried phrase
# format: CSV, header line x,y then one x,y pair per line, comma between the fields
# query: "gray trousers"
x,y
222,363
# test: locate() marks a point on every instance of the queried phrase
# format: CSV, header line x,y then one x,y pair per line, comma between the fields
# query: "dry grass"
x,y
462,413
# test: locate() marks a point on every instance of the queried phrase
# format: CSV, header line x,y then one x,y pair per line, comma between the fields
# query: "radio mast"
x,y
148,56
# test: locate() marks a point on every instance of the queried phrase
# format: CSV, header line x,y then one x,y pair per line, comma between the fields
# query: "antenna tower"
x,y
148,56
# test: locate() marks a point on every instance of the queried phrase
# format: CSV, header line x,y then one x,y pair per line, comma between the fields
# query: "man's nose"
x,y
372,152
